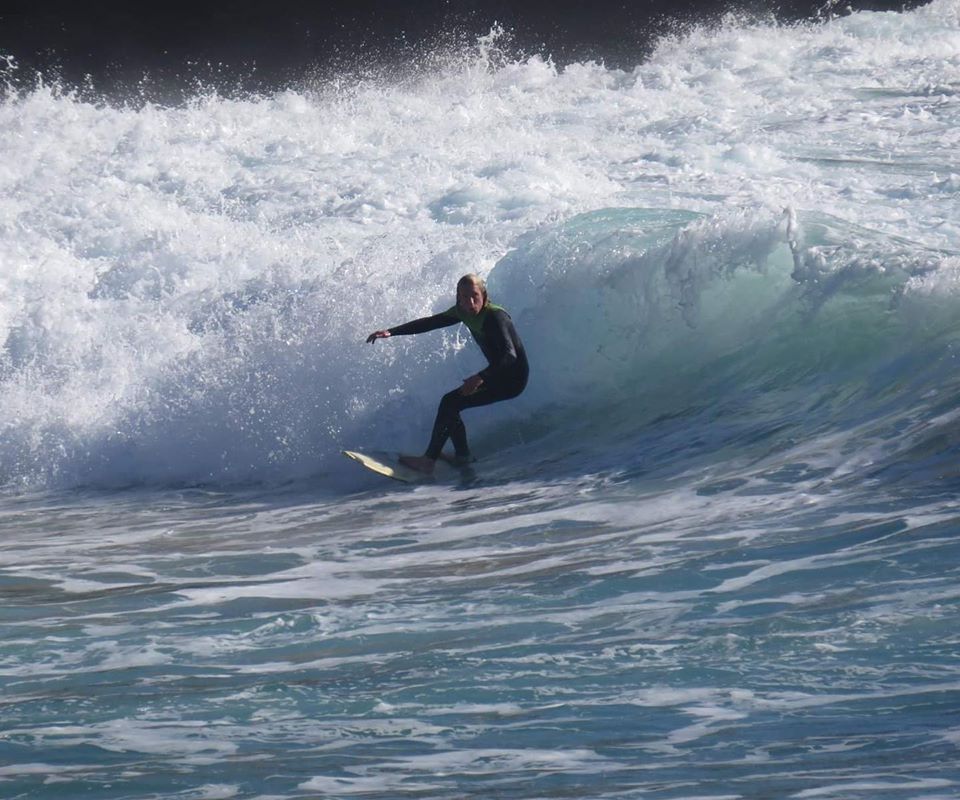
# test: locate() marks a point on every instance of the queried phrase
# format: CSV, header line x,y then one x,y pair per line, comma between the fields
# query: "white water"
x,y
186,290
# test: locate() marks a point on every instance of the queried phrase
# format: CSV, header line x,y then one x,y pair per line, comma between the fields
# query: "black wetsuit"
x,y
504,377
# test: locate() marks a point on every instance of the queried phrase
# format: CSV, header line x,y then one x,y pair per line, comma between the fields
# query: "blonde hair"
x,y
470,279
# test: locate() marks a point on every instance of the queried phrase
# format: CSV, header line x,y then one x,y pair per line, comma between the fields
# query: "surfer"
x,y
504,377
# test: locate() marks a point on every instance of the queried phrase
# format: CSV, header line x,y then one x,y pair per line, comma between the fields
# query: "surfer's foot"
x,y
419,463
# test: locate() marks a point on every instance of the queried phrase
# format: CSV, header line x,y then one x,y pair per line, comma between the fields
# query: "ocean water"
x,y
711,552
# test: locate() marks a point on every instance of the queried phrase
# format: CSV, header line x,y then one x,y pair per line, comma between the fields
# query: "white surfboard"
x,y
387,464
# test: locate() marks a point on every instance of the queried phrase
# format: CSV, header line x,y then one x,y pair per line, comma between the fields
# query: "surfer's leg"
x,y
458,435
448,425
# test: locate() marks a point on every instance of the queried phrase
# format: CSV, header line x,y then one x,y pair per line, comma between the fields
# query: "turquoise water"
x,y
710,553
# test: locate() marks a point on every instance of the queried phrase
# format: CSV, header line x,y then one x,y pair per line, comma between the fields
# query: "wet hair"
x,y
473,280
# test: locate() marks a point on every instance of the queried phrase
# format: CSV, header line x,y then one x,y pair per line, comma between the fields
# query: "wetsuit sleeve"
x,y
442,320
502,350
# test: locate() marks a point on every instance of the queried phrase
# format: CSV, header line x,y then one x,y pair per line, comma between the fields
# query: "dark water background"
x,y
162,51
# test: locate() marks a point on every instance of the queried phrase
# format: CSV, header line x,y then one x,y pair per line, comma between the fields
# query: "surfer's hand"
x,y
471,384
377,335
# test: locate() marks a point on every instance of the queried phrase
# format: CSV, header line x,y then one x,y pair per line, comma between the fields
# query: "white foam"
x,y
891,785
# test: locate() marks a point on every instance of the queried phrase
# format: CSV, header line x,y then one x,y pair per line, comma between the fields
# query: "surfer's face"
x,y
470,298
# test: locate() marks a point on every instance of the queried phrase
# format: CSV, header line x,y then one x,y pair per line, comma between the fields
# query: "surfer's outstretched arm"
x,y
442,320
